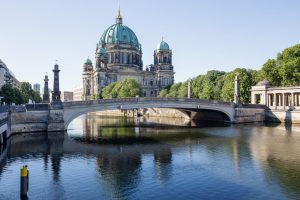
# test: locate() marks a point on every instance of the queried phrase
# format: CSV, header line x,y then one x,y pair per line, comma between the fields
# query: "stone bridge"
x,y
77,108
48,117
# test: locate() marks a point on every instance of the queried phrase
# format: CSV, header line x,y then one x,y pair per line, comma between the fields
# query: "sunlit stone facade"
x,y
119,56
278,98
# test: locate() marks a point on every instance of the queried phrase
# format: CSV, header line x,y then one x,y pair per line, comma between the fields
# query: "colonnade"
x,y
282,100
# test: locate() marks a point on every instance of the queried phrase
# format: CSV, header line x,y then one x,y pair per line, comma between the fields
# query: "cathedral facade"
x,y
119,56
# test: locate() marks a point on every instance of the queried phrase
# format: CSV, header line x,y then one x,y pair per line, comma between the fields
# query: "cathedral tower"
x,y
163,64
87,78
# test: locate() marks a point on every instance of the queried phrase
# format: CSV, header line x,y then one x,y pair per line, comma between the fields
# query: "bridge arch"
x,y
74,109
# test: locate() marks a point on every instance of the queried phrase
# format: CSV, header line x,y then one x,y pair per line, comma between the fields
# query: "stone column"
x,y
46,95
275,100
253,98
293,100
56,113
56,92
283,101
237,92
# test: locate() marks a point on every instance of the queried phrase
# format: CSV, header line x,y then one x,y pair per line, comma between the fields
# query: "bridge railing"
x,y
145,99
257,106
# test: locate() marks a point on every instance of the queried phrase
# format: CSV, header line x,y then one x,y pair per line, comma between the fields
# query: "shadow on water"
x,y
123,130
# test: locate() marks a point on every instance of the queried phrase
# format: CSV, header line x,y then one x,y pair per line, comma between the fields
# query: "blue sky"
x,y
203,35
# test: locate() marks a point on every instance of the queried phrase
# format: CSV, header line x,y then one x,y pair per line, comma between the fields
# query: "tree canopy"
x,y
20,95
123,89
219,85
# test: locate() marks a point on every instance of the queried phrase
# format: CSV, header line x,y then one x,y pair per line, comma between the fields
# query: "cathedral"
x,y
119,56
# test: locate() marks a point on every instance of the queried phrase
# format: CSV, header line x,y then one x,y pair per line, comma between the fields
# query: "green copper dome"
x,y
163,46
88,61
119,34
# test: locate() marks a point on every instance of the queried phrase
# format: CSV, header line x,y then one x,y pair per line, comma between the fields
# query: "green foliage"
x,y
164,92
270,72
108,93
129,88
36,97
208,86
96,96
218,85
248,79
26,91
124,89
285,69
7,92
183,90
173,92
19,96
227,93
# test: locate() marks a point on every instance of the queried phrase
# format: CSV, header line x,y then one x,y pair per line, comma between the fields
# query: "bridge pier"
x,y
56,112
56,120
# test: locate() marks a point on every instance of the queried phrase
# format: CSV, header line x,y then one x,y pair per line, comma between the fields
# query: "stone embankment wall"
x,y
118,113
165,112
4,134
147,112
284,116
29,121
249,115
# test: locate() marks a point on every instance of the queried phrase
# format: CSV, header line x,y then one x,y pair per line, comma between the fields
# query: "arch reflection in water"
x,y
249,161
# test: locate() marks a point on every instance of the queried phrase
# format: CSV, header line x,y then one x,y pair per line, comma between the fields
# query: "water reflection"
x,y
277,150
120,172
163,164
116,159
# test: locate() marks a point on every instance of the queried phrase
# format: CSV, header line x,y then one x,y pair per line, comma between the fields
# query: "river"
x,y
122,158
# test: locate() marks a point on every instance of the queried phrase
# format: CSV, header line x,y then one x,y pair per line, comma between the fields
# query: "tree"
x,y
18,97
173,92
107,91
182,90
270,72
247,82
227,93
208,86
11,95
36,97
126,88
164,92
26,91
208,90
285,69
289,64
7,92
129,88
96,96
218,85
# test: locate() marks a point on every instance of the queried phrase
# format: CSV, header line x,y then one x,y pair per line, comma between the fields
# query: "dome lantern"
x,y
119,19
163,46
